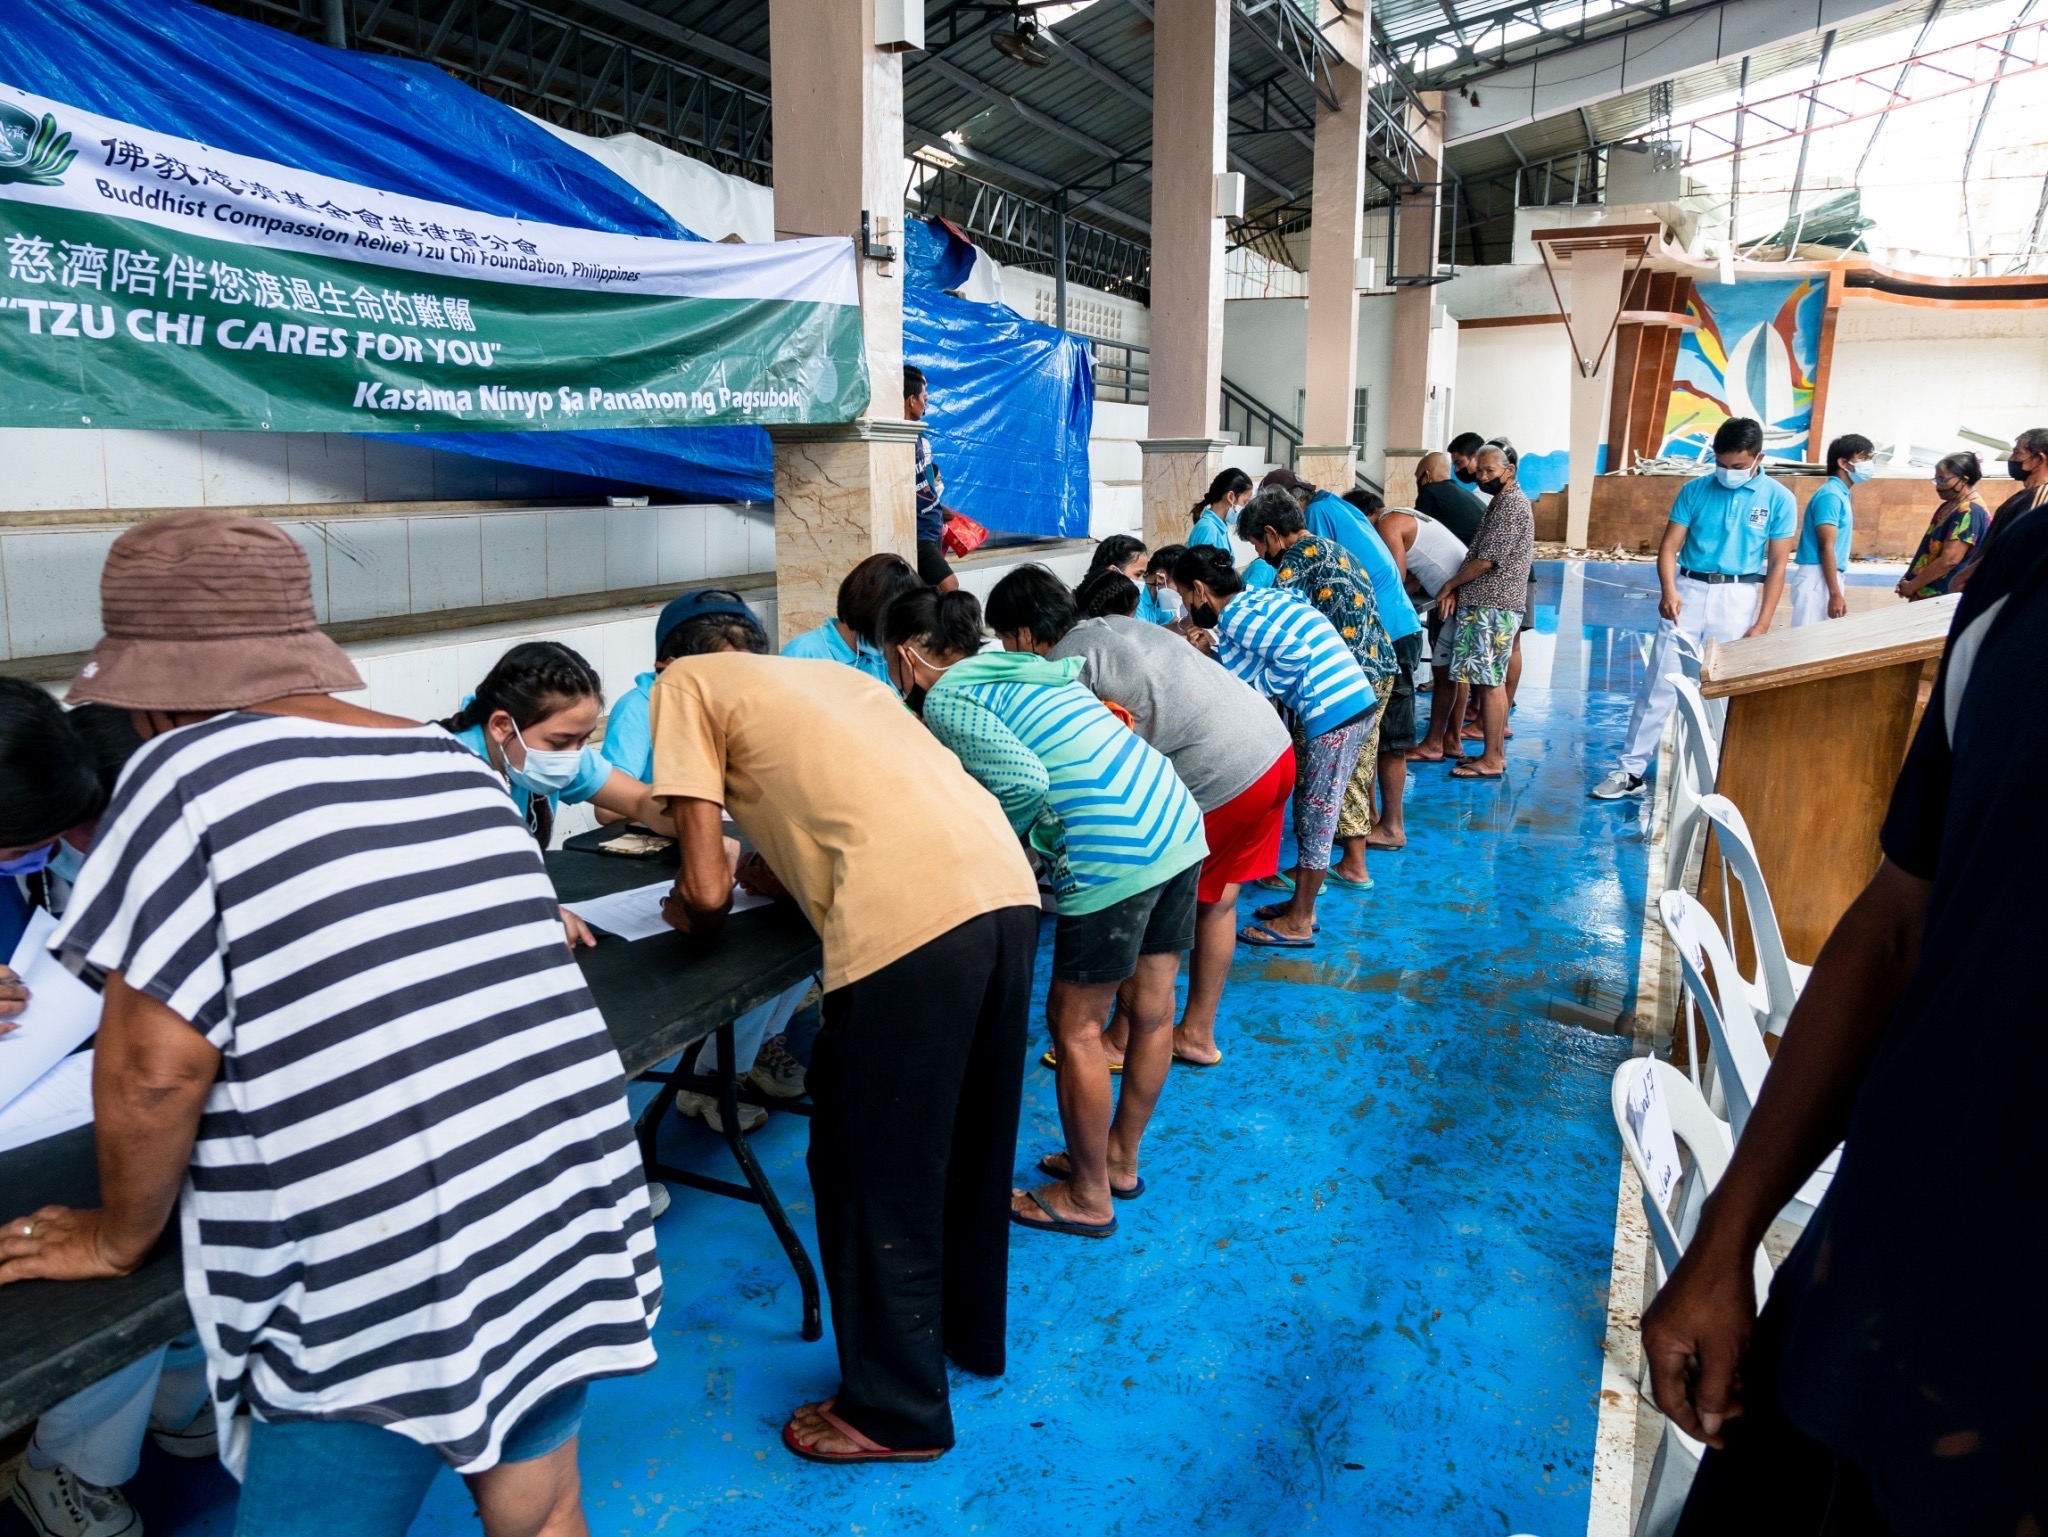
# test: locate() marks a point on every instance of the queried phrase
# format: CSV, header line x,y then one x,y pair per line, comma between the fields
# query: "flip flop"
x,y
1191,1062
1334,879
1272,939
870,1451
1275,882
1051,1059
1045,1166
1055,1223
1472,773
1275,909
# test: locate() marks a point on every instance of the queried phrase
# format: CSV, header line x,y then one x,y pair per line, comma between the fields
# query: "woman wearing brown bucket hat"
x,y
414,1221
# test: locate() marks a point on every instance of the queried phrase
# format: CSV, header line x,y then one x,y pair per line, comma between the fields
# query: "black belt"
x,y
1716,578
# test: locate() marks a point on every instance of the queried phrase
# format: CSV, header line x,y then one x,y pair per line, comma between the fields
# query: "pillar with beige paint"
x,y
1598,276
1410,378
842,493
1328,457
1191,63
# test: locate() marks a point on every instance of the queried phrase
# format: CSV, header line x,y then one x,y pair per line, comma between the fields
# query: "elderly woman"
x,y
1959,521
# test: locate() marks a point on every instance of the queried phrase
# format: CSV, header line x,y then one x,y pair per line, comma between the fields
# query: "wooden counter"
x,y
1818,721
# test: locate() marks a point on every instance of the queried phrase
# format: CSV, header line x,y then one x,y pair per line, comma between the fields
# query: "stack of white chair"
x,y
1658,1111
1696,768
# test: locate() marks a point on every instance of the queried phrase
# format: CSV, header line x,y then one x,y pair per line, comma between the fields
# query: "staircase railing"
x,y
1256,423
1123,371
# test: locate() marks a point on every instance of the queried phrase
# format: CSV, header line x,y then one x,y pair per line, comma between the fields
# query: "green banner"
x,y
153,283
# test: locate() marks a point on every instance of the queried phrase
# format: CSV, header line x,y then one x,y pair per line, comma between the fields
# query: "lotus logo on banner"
x,y
32,151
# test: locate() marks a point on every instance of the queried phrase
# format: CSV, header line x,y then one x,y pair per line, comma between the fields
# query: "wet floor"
x,y
1366,1289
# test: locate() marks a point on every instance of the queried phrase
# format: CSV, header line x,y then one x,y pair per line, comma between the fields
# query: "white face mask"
x,y
1735,479
543,773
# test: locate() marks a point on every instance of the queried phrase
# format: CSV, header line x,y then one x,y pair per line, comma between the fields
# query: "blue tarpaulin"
x,y
1011,400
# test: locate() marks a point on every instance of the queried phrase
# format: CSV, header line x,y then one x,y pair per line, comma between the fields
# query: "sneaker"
x,y
657,1198
705,1109
775,1072
1618,785
60,1504
197,1438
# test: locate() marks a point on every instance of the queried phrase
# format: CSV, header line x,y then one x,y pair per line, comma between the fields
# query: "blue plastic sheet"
x,y
935,255
1011,405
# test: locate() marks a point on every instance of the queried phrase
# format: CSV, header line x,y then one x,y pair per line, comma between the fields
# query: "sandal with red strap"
x,y
870,1451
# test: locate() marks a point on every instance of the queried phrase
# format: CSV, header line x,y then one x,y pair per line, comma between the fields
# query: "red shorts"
x,y
1244,832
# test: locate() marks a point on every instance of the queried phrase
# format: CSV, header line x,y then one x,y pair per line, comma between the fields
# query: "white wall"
x,y
1090,311
1515,381
1265,351
1914,371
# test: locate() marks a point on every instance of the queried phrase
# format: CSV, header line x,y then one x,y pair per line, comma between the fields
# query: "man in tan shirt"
x,y
929,916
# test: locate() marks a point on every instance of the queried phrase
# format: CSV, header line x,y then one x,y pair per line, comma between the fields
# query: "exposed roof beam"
x,y
661,26
1629,58
931,138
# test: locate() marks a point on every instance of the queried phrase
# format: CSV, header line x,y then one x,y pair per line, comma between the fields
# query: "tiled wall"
x,y
52,470
369,567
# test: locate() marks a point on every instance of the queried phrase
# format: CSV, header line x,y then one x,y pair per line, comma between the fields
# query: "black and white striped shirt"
x,y
415,1200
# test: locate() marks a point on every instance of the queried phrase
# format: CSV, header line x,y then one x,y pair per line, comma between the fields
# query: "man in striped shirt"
x,y
340,1015
1122,841
1275,641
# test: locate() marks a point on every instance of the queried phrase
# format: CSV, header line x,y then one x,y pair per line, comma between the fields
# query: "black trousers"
x,y
1772,1479
917,1077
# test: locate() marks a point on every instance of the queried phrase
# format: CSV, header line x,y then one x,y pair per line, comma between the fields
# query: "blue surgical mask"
x,y
66,862
1858,473
1735,480
544,773
27,864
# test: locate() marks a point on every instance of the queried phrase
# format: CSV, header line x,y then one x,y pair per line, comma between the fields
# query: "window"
x,y
1360,398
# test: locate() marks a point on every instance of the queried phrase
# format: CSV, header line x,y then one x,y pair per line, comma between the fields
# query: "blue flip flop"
x,y
1275,882
1045,1167
1347,883
1055,1223
1272,939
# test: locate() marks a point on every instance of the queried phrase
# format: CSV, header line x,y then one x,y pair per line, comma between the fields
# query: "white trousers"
x,y
754,1027
1706,611
98,1433
1808,586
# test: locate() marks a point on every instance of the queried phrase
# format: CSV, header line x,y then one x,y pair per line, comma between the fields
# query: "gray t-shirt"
x,y
1219,733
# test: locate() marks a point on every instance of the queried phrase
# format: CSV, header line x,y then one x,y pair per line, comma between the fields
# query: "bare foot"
x,y
1374,843
1200,1053
1430,754
1122,1176
1062,1201
1286,925
809,1425
1345,870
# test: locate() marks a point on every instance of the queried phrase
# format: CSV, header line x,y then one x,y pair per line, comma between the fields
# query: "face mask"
x,y
66,862
2015,469
1734,480
1858,473
544,773
1204,615
26,864
1169,600
1492,487
1466,477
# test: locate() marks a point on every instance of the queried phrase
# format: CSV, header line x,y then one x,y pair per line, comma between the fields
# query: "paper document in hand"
x,y
636,914
58,1101
62,1012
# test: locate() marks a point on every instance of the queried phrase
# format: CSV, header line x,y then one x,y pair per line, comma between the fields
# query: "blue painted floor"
x,y
1366,1291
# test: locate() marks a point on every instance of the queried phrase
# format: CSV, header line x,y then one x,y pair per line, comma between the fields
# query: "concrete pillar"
x,y
1416,237
1191,63
1597,278
842,493
1328,456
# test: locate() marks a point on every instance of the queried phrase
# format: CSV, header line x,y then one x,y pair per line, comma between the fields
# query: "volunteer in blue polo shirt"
x,y
848,637
1824,534
1722,567
1331,517
628,746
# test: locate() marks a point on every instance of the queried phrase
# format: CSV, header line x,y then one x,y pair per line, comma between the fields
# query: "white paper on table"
x,y
636,914
62,1012
56,1102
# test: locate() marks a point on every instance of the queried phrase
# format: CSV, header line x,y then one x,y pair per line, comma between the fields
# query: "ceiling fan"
x,y
1025,43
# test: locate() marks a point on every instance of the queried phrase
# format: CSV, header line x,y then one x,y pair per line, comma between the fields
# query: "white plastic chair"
x,y
1696,767
1657,1111
1779,978
1691,660
1741,1062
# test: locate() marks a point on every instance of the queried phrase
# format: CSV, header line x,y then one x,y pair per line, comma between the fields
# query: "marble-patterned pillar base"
x,y
1177,475
1334,469
843,492
1399,476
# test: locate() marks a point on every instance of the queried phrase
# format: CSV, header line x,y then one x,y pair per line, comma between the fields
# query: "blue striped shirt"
x,y
1273,639
1100,805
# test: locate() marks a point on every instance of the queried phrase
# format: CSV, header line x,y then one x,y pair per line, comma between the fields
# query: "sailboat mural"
x,y
1752,353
